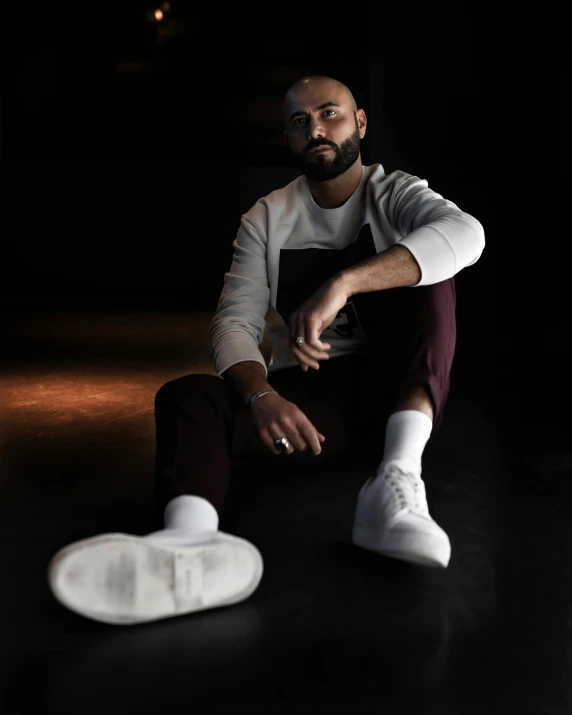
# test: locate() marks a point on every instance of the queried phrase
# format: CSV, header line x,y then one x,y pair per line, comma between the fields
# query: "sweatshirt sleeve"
x,y
237,327
442,238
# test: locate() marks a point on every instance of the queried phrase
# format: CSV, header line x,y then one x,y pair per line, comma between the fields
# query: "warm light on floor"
x,y
42,401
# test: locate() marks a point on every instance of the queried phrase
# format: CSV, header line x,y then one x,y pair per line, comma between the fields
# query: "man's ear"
x,y
362,122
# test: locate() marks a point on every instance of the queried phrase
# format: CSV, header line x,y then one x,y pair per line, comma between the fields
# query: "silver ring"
x,y
282,444
300,340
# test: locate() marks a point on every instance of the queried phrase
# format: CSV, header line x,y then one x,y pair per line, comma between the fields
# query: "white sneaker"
x,y
125,579
392,518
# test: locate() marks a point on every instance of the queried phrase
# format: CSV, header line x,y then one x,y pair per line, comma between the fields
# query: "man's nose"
x,y
314,129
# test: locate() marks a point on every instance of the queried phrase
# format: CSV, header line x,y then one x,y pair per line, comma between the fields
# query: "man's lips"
x,y
319,149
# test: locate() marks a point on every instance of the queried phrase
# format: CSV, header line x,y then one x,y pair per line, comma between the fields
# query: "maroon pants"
x,y
203,428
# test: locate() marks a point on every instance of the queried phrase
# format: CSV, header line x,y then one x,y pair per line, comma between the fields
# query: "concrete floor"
x,y
331,629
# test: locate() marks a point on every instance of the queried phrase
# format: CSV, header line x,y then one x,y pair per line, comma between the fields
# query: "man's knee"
x,y
183,388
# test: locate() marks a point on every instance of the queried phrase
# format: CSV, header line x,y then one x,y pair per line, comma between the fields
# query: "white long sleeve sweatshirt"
x,y
287,247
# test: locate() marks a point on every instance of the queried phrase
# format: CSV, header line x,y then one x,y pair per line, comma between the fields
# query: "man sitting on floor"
x,y
346,266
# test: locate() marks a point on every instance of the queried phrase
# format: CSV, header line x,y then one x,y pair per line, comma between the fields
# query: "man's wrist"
x,y
260,395
247,378
343,283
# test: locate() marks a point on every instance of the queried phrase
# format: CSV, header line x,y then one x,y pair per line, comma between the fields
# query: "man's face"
x,y
322,115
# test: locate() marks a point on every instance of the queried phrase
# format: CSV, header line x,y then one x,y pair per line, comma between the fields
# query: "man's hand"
x,y
311,318
274,417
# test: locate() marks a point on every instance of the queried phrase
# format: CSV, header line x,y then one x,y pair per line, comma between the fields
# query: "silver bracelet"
x,y
259,394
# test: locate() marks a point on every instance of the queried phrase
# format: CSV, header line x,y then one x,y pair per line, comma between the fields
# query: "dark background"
x,y
130,147
129,150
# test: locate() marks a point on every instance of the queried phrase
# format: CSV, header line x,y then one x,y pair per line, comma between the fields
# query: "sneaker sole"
x,y
124,580
429,550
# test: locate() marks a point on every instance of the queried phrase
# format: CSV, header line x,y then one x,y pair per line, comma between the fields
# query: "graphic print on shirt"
x,y
303,271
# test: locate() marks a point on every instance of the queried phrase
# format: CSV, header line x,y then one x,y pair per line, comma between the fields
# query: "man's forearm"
x,y
247,378
394,268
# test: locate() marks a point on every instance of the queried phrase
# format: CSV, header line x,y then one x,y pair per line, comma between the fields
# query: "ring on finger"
x,y
282,444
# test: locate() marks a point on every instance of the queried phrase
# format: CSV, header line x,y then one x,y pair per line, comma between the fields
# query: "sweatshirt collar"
x,y
329,214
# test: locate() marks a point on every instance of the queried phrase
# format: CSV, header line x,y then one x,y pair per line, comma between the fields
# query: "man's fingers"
x,y
307,328
305,356
301,436
305,363
304,360
313,335
309,433
313,352
268,440
294,433
270,443
313,440
311,332
299,329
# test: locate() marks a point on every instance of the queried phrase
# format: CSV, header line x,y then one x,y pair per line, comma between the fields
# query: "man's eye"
x,y
300,120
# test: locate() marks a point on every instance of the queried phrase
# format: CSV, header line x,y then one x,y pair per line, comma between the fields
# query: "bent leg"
x,y
392,516
430,342
409,361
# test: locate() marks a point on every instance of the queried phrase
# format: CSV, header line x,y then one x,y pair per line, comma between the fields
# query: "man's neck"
x,y
334,193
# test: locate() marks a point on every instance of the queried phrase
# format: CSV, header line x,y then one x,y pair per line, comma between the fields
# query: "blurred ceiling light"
x,y
158,15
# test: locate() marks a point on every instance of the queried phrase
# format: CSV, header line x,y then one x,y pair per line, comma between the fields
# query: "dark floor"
x,y
331,629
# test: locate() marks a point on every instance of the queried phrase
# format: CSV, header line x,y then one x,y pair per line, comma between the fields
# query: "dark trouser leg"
x,y
432,343
191,414
202,424
413,333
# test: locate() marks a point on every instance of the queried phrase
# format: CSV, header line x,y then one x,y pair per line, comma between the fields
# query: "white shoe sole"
x,y
123,579
426,549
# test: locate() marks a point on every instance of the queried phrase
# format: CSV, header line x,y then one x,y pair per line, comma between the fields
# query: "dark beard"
x,y
320,168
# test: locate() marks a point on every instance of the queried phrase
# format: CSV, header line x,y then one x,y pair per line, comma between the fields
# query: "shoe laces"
x,y
406,490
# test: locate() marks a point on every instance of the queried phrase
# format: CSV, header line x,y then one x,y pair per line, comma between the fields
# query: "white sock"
x,y
190,512
406,435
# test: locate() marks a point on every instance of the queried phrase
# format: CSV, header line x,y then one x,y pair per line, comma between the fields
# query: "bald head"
x,y
306,87
323,127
